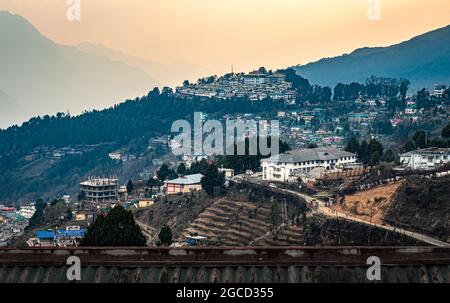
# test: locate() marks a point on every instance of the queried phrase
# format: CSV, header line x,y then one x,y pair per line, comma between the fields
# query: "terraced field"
x,y
231,223
288,235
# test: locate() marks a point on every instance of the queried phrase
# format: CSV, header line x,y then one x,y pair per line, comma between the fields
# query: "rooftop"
x,y
313,154
428,151
187,180
99,182
52,234
238,265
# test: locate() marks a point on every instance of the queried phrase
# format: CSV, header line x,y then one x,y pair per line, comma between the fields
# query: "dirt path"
x,y
334,213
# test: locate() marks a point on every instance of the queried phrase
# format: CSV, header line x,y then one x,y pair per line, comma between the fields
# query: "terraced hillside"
x,y
243,217
231,223
239,217
318,230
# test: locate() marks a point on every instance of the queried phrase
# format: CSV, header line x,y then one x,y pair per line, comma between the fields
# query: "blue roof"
x,y
52,234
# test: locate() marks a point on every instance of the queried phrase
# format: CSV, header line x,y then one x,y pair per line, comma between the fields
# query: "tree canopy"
x,y
212,180
165,236
117,228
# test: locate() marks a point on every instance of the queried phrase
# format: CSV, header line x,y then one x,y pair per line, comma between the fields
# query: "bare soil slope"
x,y
422,205
370,204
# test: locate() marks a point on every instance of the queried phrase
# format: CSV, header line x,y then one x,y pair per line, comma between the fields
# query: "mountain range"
x,y
39,76
424,60
170,74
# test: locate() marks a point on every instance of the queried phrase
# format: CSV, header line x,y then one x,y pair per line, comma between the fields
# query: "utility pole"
x,y
370,226
285,213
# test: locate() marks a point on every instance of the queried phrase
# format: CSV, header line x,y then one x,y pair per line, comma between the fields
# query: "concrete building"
x,y
99,190
228,172
143,203
184,184
255,78
439,90
411,107
285,166
27,211
426,159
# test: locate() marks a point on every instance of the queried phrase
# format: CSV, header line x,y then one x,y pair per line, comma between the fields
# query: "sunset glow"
x,y
216,34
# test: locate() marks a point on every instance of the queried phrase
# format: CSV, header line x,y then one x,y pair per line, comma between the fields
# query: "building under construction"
x,y
99,190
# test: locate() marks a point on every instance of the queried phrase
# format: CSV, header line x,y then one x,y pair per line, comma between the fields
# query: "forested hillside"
x,y
29,168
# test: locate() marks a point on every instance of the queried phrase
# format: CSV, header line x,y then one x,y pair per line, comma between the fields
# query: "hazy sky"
x,y
245,33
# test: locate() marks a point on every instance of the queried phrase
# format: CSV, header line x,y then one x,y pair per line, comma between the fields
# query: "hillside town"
x,y
255,86
329,150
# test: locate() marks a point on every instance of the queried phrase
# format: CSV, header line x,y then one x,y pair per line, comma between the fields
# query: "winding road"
x,y
327,211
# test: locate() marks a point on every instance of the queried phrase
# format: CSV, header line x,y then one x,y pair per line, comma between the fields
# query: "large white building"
x,y
285,166
426,159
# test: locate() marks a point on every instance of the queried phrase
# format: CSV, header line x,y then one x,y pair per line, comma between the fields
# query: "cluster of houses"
x,y
13,222
255,86
55,154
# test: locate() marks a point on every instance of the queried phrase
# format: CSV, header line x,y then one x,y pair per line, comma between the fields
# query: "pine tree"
x,y
275,214
130,187
165,235
212,180
117,228
181,170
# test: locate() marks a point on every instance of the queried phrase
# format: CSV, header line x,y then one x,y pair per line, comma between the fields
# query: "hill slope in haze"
x,y
424,60
172,74
47,77
11,110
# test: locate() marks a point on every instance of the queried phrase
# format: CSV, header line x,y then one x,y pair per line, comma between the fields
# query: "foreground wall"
x,y
290,264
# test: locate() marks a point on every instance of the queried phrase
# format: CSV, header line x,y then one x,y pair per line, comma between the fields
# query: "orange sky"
x,y
246,33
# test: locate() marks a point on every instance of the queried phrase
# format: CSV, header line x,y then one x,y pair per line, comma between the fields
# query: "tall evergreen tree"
x,y
117,228
165,235
353,146
181,170
212,180
130,187
275,214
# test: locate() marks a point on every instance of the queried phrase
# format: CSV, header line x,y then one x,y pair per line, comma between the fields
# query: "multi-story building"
x,y
284,166
426,159
27,211
411,107
439,90
99,190
255,78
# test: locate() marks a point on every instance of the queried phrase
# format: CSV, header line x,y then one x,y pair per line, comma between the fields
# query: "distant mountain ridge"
x,y
424,60
171,74
48,77
10,110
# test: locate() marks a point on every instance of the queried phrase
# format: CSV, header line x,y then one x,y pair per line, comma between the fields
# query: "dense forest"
x,y
129,124
143,117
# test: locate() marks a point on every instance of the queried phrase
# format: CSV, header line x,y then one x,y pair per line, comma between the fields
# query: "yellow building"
x,y
184,184
228,172
146,203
